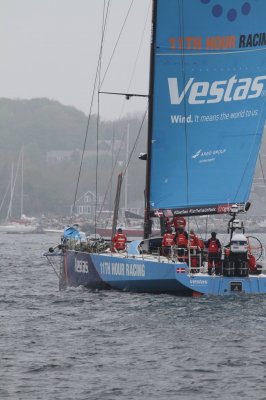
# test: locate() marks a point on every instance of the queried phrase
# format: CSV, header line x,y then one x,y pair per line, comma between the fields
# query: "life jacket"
x,y
227,252
252,263
201,244
193,240
181,240
194,262
120,241
213,246
168,239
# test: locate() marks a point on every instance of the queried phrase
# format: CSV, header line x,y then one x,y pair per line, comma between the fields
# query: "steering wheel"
x,y
255,247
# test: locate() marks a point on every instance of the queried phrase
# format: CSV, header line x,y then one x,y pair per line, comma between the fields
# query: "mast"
x,y
126,174
22,182
117,199
147,221
9,211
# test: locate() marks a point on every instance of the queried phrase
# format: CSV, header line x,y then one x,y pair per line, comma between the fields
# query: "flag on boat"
x,y
168,213
158,213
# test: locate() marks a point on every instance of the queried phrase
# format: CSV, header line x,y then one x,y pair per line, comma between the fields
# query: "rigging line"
x,y
251,147
13,184
136,60
137,57
5,195
134,69
135,63
135,144
139,48
97,125
114,166
116,44
90,111
17,170
22,182
122,108
262,172
199,230
206,226
182,34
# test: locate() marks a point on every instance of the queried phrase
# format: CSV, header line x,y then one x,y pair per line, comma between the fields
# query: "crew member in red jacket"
x,y
214,254
252,264
195,245
167,242
119,241
181,239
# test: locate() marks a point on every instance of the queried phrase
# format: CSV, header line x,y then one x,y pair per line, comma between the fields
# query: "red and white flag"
x,y
181,270
168,213
158,213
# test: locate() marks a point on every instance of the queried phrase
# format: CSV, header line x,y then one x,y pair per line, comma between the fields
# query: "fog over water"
x,y
51,48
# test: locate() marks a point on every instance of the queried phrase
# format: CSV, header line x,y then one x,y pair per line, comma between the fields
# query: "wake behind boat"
x,y
206,120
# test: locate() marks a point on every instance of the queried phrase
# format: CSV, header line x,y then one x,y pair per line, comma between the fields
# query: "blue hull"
x,y
148,275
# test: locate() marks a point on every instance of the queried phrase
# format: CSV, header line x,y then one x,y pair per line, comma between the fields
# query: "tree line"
x,y
42,126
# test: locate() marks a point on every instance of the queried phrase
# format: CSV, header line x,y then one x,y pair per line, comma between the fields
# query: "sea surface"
x,y
78,344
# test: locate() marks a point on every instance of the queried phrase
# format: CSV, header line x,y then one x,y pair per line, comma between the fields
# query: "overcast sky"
x,y
49,48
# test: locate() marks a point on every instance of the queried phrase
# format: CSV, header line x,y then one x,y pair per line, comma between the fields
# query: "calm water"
x,y
77,344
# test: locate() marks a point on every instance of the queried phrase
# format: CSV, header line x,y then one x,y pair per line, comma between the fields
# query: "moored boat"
x,y
18,228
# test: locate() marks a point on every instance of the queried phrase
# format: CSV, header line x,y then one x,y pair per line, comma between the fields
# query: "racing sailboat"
x,y
206,120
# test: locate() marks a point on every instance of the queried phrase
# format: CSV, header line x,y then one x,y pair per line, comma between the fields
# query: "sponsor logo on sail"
x,y
208,155
232,14
227,90
196,154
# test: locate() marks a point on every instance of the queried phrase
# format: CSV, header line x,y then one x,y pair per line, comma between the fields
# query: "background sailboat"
x,y
12,224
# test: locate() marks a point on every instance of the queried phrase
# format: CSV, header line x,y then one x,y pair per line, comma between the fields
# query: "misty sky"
x,y
49,48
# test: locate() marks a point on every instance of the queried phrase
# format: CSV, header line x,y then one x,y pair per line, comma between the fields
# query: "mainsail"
x,y
208,111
